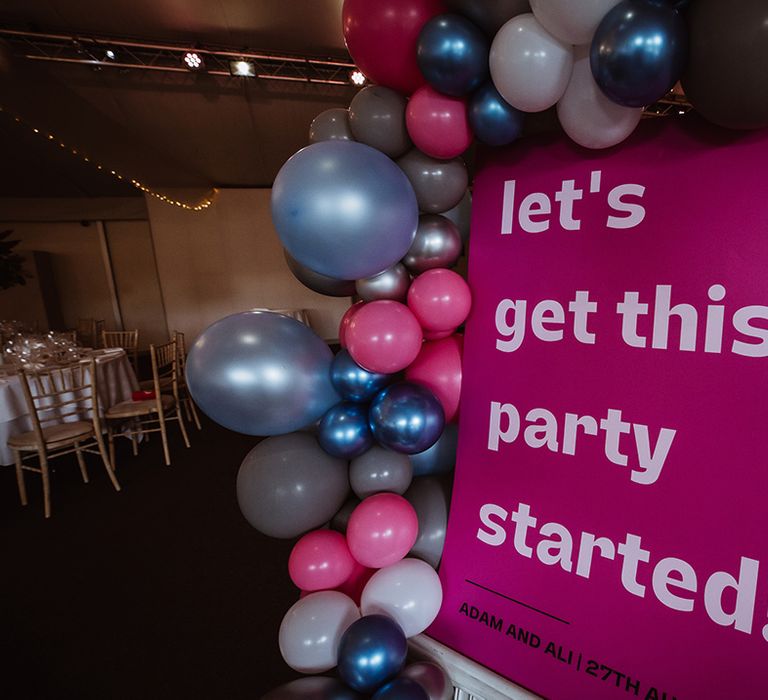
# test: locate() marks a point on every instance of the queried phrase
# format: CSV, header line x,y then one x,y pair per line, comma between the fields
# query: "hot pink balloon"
x,y
354,585
438,335
384,336
440,299
346,319
438,367
438,124
320,560
382,37
382,530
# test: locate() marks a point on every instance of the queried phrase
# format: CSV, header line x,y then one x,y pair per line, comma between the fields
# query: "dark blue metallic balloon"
x,y
639,52
313,688
344,431
401,689
453,55
493,120
353,382
441,457
407,417
371,652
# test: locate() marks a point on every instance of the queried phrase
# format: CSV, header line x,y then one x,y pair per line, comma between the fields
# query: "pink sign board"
x,y
608,535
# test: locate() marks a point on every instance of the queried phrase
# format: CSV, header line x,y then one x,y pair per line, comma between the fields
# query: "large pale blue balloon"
x,y
261,373
344,209
493,120
344,431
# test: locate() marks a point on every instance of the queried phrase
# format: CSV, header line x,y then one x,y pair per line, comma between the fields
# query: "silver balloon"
x,y
341,519
288,485
439,184
461,215
437,244
379,470
331,125
377,118
431,677
429,498
322,284
490,15
393,284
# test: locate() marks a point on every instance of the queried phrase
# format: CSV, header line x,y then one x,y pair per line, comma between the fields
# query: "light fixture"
x,y
242,69
193,61
357,77
110,55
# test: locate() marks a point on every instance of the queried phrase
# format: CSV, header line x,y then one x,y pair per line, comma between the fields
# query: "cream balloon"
x,y
530,67
570,21
587,115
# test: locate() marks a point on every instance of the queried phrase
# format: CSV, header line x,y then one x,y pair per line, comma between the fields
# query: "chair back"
x,y
127,340
97,333
181,352
165,369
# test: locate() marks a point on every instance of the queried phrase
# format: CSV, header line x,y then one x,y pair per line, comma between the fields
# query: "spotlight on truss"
x,y
242,69
193,61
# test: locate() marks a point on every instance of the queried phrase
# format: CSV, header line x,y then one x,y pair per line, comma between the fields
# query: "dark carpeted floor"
x,y
160,591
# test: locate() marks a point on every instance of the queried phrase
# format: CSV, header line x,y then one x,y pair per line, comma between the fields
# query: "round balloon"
x,y
438,367
407,418
401,689
438,124
377,119
639,52
430,677
288,485
382,530
529,67
430,501
346,319
571,22
354,585
380,470
392,284
453,54
461,215
437,244
331,125
494,121
438,335
313,688
441,457
344,209
440,299
344,431
372,651
320,560
382,37
439,185
490,15
409,592
261,373
312,629
353,382
321,284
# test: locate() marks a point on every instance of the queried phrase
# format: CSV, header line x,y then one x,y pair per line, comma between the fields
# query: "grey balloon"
x,y
430,677
288,485
313,688
377,119
322,284
341,519
437,244
429,498
393,284
490,15
461,215
379,470
439,184
331,125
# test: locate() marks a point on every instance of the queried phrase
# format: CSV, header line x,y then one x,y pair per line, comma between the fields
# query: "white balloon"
x,y
312,628
587,115
572,21
409,592
530,67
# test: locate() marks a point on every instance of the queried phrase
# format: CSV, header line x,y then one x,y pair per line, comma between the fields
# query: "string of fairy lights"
x,y
198,205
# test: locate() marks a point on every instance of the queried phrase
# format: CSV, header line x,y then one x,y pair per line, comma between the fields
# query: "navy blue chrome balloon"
x,y
407,417
639,52
453,55
313,688
441,457
401,689
353,382
371,652
344,431
494,121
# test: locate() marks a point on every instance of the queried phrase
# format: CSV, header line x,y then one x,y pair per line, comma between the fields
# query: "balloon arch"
x,y
378,206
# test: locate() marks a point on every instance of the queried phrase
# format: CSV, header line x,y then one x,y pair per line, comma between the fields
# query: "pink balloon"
x,y
382,37
438,367
353,586
382,530
384,336
440,299
438,124
346,319
438,335
320,560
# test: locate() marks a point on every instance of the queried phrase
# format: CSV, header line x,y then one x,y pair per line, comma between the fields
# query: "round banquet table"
x,y
116,381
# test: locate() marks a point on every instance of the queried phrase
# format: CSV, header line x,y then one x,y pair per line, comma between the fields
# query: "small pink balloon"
x,y
438,335
438,367
353,586
320,560
382,530
438,124
440,299
384,336
346,319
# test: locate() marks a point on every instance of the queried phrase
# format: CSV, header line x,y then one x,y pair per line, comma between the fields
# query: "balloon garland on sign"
x,y
378,205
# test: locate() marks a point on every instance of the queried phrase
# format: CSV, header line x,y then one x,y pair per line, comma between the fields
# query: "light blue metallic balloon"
x,y
371,652
494,121
638,52
353,382
261,373
401,689
344,209
441,457
407,417
452,54
344,431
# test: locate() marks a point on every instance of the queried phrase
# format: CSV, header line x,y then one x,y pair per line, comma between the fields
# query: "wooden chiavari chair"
x,y
127,340
189,404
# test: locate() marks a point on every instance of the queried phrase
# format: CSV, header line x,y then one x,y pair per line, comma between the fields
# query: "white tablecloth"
x,y
117,382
